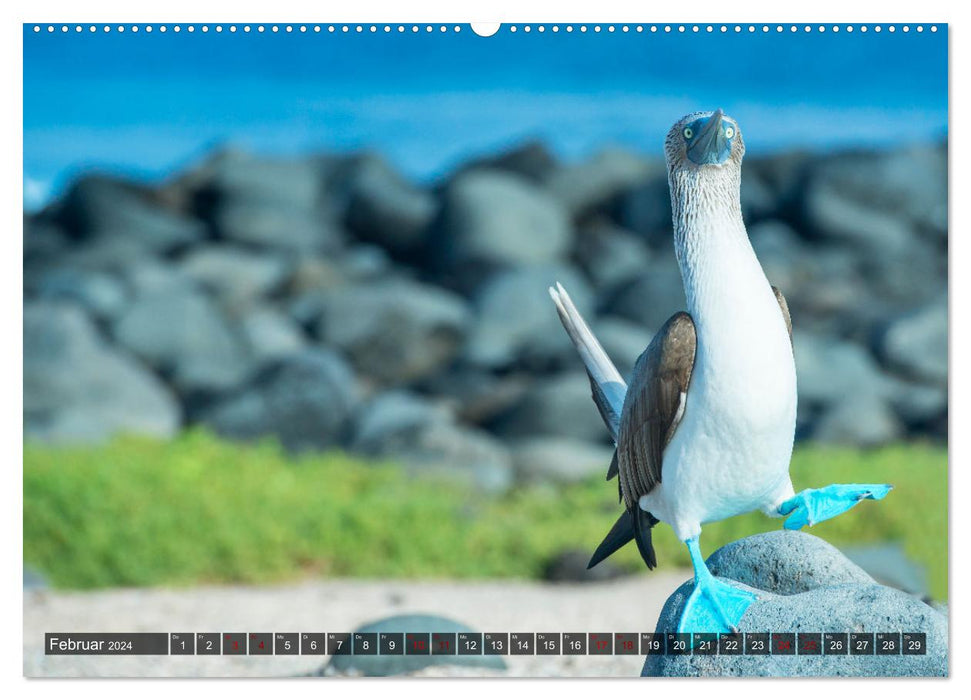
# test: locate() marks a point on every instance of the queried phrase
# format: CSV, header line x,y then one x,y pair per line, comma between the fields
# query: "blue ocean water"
x,y
145,104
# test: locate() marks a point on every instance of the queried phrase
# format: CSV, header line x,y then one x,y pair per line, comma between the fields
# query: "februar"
x,y
69,644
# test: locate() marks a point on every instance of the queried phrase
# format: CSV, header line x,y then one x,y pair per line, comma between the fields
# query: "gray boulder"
x,y
182,334
492,218
268,334
623,341
516,322
269,203
810,590
915,343
404,428
611,255
598,181
475,396
531,160
646,210
99,293
303,400
79,389
394,331
863,420
557,406
398,664
651,298
785,562
559,460
110,209
386,209
830,370
234,275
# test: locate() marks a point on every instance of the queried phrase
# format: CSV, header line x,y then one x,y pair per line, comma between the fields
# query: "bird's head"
x,y
704,140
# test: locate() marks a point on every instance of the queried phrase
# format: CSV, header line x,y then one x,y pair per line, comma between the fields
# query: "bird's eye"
x,y
688,132
729,132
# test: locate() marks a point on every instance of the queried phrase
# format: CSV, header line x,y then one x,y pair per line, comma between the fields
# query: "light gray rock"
x,y
810,590
830,370
304,400
79,389
915,344
386,209
785,562
782,255
594,183
396,665
269,334
100,294
406,429
516,322
181,333
270,203
864,420
559,460
234,275
611,255
394,331
557,406
493,218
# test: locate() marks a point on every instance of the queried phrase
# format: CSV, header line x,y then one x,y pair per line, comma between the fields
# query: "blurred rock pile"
x,y
330,302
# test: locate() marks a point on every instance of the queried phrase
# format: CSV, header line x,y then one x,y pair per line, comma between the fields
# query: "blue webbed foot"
x,y
816,505
714,606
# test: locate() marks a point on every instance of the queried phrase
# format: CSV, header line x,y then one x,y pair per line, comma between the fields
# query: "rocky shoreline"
x,y
329,302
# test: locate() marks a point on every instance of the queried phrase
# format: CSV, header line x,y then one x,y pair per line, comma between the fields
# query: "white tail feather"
x,y
601,370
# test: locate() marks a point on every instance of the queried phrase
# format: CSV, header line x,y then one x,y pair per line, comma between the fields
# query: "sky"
x,y
145,104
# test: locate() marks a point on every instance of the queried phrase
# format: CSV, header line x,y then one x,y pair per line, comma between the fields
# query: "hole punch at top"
x,y
485,28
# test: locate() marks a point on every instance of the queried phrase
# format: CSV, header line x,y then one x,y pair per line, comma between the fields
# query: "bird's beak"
x,y
710,147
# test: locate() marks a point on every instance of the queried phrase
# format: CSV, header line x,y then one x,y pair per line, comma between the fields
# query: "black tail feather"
x,y
635,525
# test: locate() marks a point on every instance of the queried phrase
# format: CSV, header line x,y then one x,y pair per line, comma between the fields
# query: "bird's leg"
x,y
713,606
816,505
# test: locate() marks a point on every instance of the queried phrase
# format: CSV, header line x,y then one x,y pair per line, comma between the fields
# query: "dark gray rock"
x,y
611,255
559,460
557,406
234,275
915,343
396,665
386,209
907,185
109,209
785,562
531,160
623,341
653,297
492,218
269,203
100,294
79,389
473,395
516,322
404,428
863,420
268,334
809,590
830,370
646,210
395,331
182,334
596,182
571,567
304,400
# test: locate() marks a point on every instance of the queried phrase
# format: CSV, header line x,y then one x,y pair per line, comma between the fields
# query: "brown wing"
x,y
654,406
785,309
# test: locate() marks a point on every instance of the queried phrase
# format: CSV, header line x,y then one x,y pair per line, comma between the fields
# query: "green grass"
x,y
139,512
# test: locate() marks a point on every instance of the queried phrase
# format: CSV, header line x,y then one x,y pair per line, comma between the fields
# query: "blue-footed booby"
x,y
705,429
